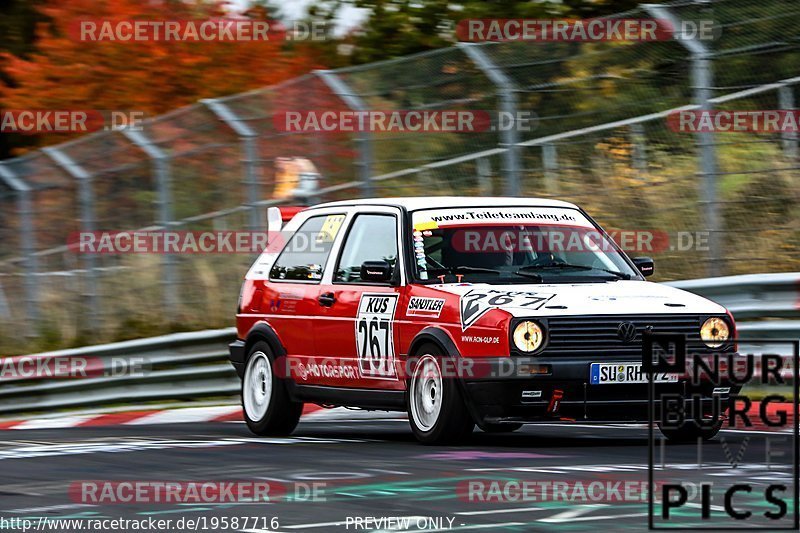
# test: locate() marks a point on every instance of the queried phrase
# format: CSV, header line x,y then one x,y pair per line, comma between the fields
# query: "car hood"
x,y
604,298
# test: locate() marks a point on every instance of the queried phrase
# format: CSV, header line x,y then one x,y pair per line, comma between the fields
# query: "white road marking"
x,y
591,518
500,511
574,514
48,508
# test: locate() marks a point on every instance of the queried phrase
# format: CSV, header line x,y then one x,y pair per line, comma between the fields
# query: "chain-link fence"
x,y
601,139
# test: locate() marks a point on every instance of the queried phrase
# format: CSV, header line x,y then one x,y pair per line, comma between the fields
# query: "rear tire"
x,y
689,431
436,410
267,408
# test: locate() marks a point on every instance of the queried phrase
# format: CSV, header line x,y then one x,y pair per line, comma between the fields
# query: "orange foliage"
x,y
150,76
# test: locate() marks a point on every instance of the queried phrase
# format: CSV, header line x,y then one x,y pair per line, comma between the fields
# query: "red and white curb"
x,y
311,412
182,415
222,413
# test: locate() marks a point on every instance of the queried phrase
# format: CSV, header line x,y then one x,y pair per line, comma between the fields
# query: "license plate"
x,y
623,373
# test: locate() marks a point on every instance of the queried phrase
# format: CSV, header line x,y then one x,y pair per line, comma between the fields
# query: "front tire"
x,y
266,405
436,410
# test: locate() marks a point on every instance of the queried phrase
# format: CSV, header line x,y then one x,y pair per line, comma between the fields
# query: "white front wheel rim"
x,y
426,393
257,386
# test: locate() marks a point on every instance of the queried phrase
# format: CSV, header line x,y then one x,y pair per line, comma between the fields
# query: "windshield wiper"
x,y
463,269
618,275
526,274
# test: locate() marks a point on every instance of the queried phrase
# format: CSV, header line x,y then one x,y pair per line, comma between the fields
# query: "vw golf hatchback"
x,y
460,311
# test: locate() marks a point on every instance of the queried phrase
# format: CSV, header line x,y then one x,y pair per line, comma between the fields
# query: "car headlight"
x,y
715,332
528,336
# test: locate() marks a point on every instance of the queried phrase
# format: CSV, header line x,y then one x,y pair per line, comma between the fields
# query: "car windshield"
x,y
502,245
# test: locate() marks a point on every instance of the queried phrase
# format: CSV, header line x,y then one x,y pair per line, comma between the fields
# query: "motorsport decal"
x,y
477,302
427,307
375,335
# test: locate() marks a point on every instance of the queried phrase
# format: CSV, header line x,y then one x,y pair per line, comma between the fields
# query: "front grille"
x,y
597,335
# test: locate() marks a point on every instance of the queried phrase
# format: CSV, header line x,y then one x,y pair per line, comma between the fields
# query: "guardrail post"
x,y
550,165
27,245
86,201
702,81
506,93
338,86
250,159
788,138
162,171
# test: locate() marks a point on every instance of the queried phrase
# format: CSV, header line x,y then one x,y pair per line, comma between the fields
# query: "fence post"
x,y
364,140
788,138
248,137
162,171
27,245
702,82
86,201
638,142
550,165
506,93
484,170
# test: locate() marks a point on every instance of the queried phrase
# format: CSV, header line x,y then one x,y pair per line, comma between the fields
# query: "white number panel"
x,y
375,335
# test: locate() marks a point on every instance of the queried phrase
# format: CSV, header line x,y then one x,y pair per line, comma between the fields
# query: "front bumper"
x,y
499,392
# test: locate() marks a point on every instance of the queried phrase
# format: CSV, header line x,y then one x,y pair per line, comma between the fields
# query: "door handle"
x,y
326,299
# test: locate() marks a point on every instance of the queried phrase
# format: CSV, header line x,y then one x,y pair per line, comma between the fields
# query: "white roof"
x,y
414,203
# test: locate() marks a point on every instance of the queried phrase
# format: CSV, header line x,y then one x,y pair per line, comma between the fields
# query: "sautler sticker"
x,y
425,307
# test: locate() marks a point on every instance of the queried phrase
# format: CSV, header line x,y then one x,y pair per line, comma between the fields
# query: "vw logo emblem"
x,y
626,331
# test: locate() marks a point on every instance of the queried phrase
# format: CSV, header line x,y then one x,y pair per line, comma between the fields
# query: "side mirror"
x,y
645,265
379,271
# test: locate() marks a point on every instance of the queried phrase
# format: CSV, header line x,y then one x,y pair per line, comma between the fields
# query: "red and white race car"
x,y
460,311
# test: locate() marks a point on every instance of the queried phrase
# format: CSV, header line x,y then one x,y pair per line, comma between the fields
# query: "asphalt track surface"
x,y
370,467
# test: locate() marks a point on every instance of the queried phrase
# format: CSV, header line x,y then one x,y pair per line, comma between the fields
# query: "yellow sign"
x,y
422,226
330,228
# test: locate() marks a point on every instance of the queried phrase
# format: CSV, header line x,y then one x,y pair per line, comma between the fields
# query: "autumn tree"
x,y
394,28
153,76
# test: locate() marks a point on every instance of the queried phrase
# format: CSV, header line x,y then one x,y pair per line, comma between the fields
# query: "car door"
x,y
355,329
288,301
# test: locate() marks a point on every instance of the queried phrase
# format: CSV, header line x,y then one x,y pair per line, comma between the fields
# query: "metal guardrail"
x,y
194,365
178,366
751,296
